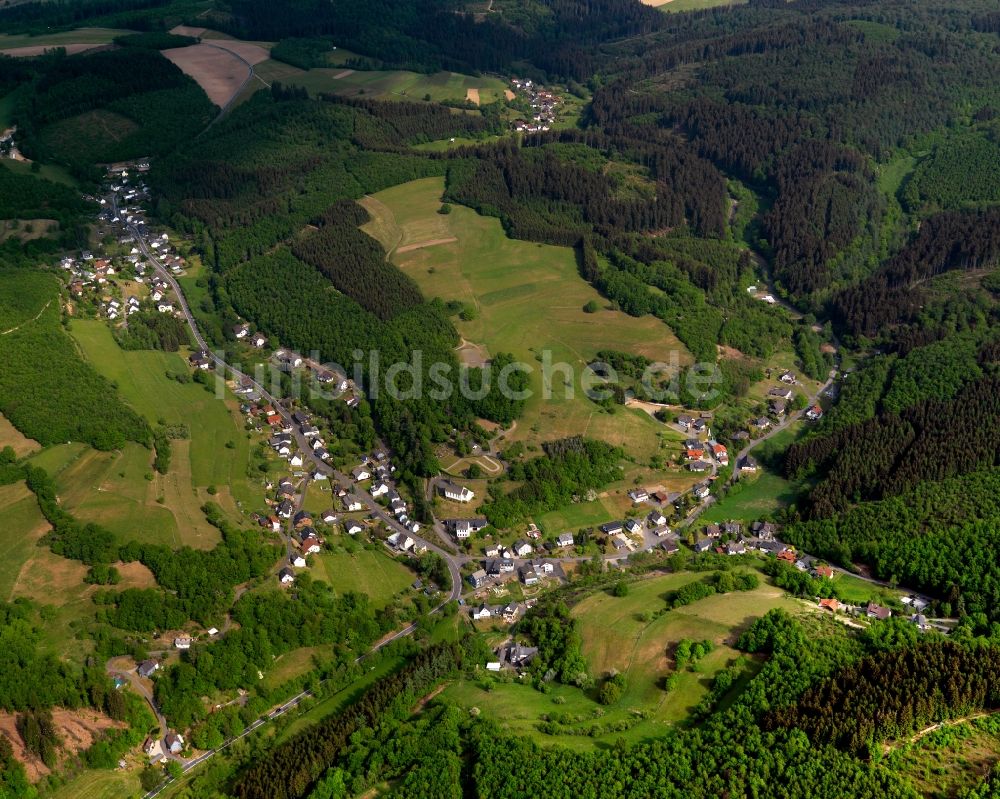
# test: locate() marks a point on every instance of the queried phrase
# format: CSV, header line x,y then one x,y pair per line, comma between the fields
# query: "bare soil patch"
x,y
77,728
254,53
135,575
472,95
187,30
473,354
421,244
343,74
509,94
10,436
217,71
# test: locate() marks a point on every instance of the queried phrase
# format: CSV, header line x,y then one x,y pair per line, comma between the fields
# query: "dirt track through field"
x,y
421,244
343,74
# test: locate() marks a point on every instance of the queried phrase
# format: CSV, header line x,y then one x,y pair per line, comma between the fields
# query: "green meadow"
x,y
618,637
217,453
527,299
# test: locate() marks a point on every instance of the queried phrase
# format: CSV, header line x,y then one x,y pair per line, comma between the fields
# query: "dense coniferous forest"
x,y
114,105
890,694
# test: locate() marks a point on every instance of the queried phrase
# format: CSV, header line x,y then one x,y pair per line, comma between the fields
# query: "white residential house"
x,y
565,540
286,576
482,612
353,527
298,561
379,489
522,549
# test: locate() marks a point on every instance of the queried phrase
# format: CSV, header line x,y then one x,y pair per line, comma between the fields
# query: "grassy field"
x,y
614,637
367,571
100,785
529,301
23,526
690,5
217,453
395,84
53,172
760,496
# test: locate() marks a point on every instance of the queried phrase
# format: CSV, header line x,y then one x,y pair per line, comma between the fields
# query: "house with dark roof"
x,y
147,668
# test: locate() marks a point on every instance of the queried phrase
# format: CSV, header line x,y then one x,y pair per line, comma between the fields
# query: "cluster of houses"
x,y
508,613
701,455
241,332
500,566
620,533
543,106
378,469
306,540
729,538
284,442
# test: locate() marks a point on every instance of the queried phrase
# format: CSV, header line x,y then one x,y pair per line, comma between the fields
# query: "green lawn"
x,y
217,453
529,300
859,592
758,496
368,571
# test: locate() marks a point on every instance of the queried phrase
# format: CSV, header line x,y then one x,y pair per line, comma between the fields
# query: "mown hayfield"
x,y
113,489
10,436
367,571
57,457
23,525
216,454
529,300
